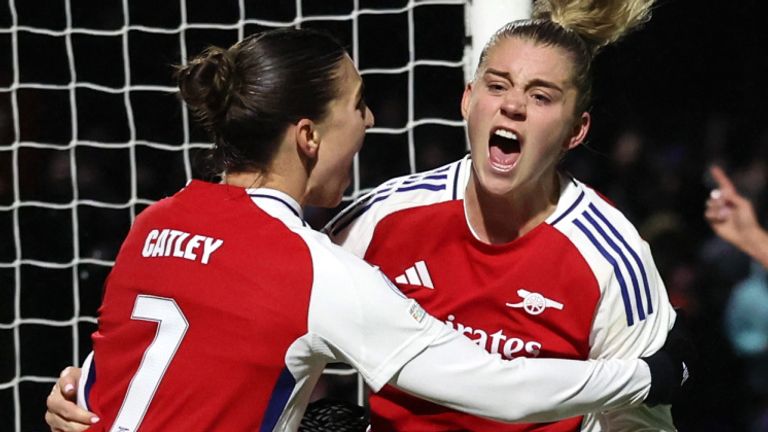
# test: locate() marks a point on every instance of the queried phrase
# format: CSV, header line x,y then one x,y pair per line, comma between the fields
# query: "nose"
x,y
369,119
514,106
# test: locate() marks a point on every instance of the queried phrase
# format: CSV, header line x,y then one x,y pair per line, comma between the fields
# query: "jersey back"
x,y
206,288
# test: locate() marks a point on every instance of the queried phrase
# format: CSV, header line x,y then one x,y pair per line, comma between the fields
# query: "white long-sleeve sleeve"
x,y
454,372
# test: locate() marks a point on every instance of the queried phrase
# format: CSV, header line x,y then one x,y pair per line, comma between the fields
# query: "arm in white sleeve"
x,y
613,338
85,373
454,372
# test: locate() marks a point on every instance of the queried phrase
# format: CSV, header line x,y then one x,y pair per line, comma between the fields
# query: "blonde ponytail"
x,y
598,22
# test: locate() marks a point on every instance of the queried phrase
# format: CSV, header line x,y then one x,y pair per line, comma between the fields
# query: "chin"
x,y
497,184
498,188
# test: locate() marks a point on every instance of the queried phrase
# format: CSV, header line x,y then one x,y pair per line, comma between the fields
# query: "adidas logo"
x,y
416,275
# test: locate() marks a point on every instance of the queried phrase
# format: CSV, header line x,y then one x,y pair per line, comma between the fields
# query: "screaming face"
x,y
520,116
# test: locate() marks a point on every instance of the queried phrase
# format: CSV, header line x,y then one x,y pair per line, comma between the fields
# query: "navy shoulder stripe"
x,y
632,252
455,194
607,239
616,270
570,209
430,181
425,186
89,381
280,394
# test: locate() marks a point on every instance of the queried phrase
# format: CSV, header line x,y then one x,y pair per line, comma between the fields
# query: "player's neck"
x,y
271,180
287,172
501,219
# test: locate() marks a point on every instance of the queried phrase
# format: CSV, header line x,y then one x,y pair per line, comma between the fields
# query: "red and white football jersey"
x,y
581,285
222,311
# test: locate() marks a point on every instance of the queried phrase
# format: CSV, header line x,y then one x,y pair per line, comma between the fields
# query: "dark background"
x,y
684,92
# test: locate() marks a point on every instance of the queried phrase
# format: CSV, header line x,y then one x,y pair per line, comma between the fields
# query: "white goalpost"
x,y
483,18
91,133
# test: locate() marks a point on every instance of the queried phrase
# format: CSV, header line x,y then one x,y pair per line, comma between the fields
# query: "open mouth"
x,y
504,149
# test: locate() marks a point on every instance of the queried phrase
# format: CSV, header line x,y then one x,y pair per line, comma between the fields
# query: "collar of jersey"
x,y
277,204
571,193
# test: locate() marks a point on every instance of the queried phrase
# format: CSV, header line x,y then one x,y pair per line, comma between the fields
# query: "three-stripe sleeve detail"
x,y
627,265
632,253
616,270
431,181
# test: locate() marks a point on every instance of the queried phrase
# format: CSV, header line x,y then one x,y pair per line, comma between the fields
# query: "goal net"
x,y
91,133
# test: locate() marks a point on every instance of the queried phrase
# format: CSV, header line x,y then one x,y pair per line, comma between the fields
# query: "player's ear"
x,y
579,131
307,138
465,99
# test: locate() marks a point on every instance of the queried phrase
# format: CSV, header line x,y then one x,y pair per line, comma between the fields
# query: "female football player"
x,y
224,306
504,247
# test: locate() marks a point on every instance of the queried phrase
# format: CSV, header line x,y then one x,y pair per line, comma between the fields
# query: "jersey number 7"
x,y
171,327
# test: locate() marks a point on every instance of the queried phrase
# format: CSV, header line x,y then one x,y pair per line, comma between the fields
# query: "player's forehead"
x,y
522,58
349,80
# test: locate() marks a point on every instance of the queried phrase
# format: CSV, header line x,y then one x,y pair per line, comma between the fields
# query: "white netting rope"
x,y
133,142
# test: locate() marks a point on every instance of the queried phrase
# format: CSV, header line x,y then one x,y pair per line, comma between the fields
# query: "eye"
x,y
541,98
495,87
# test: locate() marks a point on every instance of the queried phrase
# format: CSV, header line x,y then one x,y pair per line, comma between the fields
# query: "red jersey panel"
x,y
206,288
488,293
581,285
